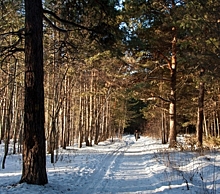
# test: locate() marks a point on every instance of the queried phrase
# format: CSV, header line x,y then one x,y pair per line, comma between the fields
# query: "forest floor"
x,y
122,166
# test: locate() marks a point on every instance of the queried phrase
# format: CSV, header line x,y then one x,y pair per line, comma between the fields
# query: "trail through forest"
x,y
126,169
121,166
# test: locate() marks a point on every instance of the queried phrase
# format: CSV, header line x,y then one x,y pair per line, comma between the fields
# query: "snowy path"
x,y
128,170
124,166
99,179
125,170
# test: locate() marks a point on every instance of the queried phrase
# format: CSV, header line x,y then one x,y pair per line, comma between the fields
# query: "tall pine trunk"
x,y
80,119
9,116
34,153
172,107
200,116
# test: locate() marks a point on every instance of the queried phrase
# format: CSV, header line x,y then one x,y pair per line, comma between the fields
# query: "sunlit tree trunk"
x,y
86,109
172,107
97,119
63,113
47,106
217,126
80,122
91,109
214,124
73,113
68,103
163,115
102,119
205,126
15,120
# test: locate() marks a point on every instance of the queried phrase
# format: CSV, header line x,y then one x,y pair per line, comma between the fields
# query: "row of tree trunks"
x,y
211,126
65,118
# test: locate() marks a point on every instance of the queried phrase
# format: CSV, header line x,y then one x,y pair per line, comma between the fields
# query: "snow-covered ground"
x,y
122,166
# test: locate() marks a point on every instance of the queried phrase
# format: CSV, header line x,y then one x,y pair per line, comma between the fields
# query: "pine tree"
x,y
34,153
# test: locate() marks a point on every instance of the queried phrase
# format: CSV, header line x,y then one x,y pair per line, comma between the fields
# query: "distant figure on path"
x,y
136,134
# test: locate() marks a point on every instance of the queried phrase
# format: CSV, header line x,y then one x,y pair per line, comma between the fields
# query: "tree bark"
x,y
91,109
200,114
80,122
172,108
9,117
34,153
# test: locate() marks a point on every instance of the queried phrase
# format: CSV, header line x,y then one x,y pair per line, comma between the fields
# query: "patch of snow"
x,y
122,166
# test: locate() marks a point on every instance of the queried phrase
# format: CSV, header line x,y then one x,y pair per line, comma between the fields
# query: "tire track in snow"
x,y
84,175
129,163
130,167
100,177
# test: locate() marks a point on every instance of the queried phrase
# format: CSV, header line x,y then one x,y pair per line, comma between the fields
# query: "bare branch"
x,y
158,97
165,58
52,25
18,33
66,21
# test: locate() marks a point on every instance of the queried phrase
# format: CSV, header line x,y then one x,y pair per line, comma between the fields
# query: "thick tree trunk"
x,y
34,153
